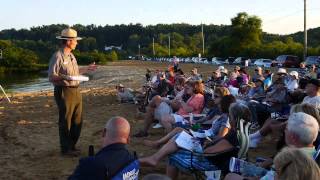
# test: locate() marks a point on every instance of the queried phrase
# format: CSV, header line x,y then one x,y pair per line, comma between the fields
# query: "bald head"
x,y
117,129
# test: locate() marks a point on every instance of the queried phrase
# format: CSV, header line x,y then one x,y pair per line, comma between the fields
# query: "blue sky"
x,y
278,16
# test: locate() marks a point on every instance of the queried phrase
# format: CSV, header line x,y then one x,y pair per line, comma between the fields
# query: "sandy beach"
x,y
29,146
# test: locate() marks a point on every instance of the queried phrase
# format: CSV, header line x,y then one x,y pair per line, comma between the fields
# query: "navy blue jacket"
x,y
108,161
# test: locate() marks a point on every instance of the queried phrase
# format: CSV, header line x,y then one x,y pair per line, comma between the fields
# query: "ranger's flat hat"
x,y
69,34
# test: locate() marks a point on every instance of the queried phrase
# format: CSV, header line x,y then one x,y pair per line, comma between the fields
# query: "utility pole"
x,y
202,39
0,53
139,50
305,47
153,50
169,46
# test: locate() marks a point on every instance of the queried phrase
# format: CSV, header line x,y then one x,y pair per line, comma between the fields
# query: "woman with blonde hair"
x,y
294,164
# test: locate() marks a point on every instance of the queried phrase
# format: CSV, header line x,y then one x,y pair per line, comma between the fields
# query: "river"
x,y
25,82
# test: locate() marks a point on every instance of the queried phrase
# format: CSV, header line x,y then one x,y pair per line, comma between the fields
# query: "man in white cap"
x,y
292,83
63,65
124,94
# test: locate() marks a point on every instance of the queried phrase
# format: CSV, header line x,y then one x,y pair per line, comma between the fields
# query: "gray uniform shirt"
x,y
63,64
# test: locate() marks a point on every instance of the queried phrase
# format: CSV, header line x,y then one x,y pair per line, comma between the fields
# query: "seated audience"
x,y
160,107
219,128
272,125
274,102
179,159
289,164
301,132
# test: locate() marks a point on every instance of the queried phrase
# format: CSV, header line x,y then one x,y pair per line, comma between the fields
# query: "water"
x,y
25,82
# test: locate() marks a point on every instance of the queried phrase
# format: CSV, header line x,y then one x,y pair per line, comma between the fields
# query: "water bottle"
x,y
191,118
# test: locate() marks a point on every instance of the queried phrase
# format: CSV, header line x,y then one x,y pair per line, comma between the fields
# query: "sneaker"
x,y
157,126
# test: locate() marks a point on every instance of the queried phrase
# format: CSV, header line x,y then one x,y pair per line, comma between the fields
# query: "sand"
x,y
29,146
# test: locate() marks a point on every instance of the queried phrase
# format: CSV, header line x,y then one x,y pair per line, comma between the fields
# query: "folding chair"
x,y
130,171
224,157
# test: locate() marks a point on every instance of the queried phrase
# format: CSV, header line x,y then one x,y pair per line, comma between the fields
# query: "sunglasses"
x,y
215,96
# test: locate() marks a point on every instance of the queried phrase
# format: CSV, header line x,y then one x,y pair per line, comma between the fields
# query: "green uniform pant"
x,y
69,102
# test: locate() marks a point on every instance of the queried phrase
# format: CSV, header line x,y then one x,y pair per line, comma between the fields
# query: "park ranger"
x,y
63,65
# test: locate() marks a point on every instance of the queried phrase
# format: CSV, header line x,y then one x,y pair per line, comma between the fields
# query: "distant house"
x,y
109,48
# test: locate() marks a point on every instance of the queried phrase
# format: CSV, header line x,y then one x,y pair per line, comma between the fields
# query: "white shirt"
x,y
292,85
315,101
126,95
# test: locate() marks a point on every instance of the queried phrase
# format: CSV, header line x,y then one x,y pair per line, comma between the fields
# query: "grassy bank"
x,y
34,68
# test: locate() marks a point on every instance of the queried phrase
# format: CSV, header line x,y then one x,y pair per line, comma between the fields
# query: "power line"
x,y
288,15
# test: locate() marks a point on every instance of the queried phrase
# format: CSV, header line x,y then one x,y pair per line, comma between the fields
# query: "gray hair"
x,y
239,111
117,127
304,126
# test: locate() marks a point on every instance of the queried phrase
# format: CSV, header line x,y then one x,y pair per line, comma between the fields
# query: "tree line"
x,y
244,37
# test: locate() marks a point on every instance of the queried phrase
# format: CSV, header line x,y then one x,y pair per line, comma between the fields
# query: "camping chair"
x,y
147,98
240,152
130,171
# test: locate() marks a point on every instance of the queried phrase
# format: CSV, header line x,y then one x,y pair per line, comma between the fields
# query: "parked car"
x,y
263,63
218,61
204,61
230,60
310,60
241,61
288,61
